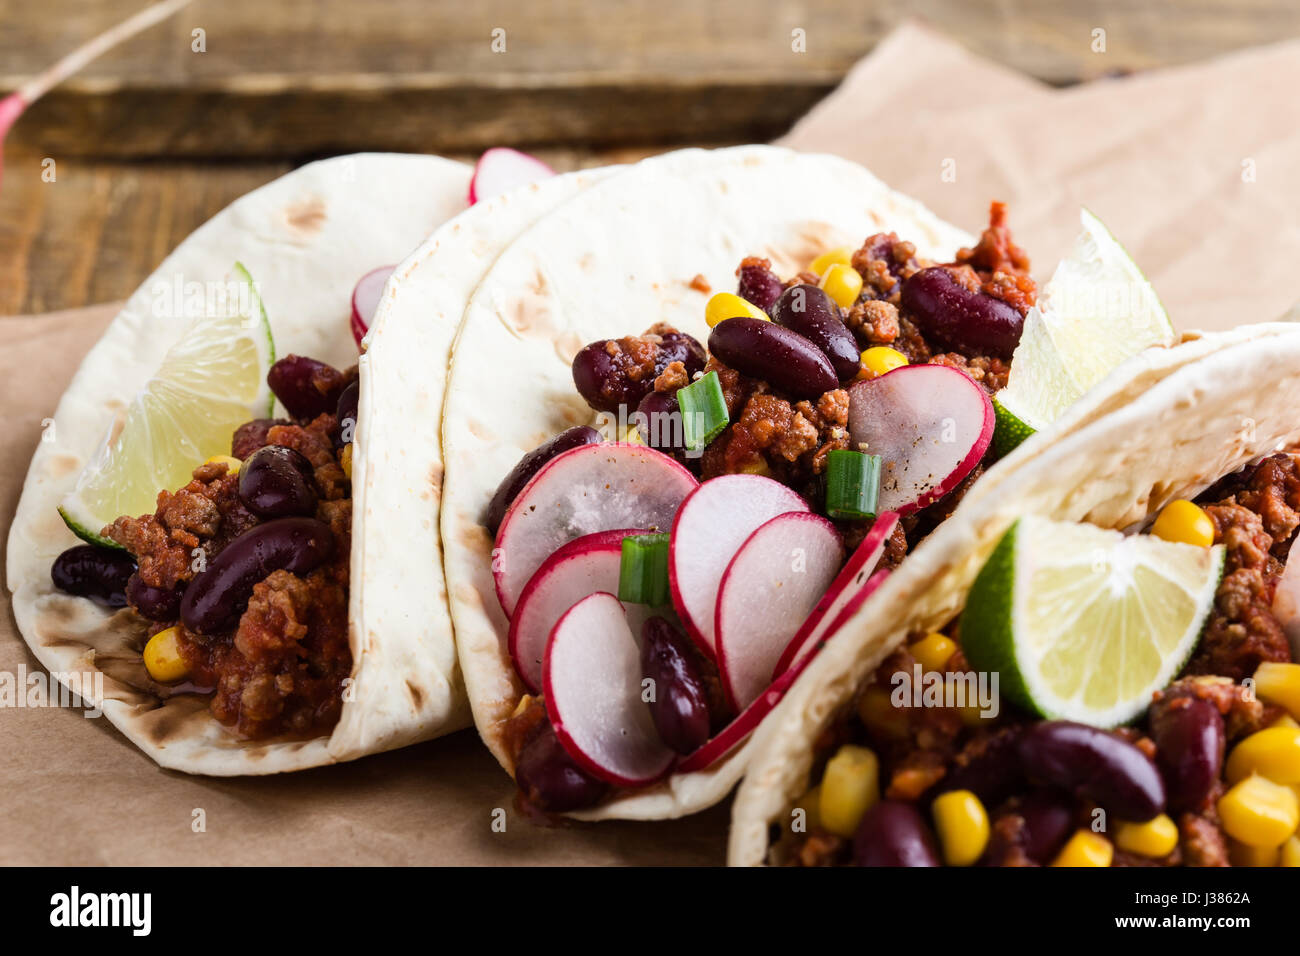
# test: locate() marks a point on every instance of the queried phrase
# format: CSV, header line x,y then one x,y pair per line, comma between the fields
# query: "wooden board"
x,y
294,77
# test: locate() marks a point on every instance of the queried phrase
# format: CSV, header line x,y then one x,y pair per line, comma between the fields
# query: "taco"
x,y
1126,597
220,627
619,508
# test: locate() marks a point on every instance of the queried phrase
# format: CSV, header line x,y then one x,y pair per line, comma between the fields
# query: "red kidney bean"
x,y
783,358
1094,765
680,708
604,380
530,465
662,425
812,313
893,833
277,482
1189,738
156,604
549,778
760,286
993,774
1049,821
957,318
100,574
346,413
217,597
306,387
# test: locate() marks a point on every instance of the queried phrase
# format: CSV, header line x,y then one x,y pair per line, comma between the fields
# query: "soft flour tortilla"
x,y
306,238
612,262
1236,401
398,603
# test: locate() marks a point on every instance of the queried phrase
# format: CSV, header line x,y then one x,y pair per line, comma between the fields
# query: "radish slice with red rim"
x,y
930,425
713,523
592,676
768,590
365,300
579,492
580,568
848,592
501,169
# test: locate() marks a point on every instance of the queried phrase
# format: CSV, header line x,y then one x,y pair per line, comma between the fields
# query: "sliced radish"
x,y
710,527
592,676
581,567
930,424
768,590
584,490
500,170
365,300
1286,604
727,739
845,595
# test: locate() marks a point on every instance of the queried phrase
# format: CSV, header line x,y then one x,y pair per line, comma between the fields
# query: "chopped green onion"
x,y
852,484
643,570
704,411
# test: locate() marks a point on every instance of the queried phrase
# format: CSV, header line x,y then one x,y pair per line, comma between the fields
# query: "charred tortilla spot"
x,y
417,696
306,216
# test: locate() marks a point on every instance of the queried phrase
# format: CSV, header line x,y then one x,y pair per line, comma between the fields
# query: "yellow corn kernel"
x,y
879,359
1286,720
1085,848
728,305
631,435
962,825
1290,852
1242,855
1259,812
880,716
1279,684
1155,838
842,256
842,283
232,464
759,467
162,657
1273,752
345,460
849,788
1184,522
933,651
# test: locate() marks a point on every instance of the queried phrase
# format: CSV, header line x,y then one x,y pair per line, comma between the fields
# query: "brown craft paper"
x,y
1160,157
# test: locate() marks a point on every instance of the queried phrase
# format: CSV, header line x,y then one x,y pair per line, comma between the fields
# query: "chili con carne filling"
x,y
922,750
279,669
781,435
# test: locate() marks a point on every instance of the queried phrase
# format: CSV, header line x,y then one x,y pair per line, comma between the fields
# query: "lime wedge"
x,y
1096,311
1083,623
210,382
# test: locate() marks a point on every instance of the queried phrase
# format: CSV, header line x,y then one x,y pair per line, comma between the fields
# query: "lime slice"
x,y
210,382
1083,623
1096,311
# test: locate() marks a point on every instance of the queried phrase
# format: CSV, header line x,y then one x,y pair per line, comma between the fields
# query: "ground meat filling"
x,y
1255,523
281,670
772,434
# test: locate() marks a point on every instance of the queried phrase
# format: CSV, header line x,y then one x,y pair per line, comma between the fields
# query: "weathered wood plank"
x,y
305,76
101,227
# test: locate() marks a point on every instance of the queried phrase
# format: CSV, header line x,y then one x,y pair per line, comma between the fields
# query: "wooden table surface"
x,y
157,136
